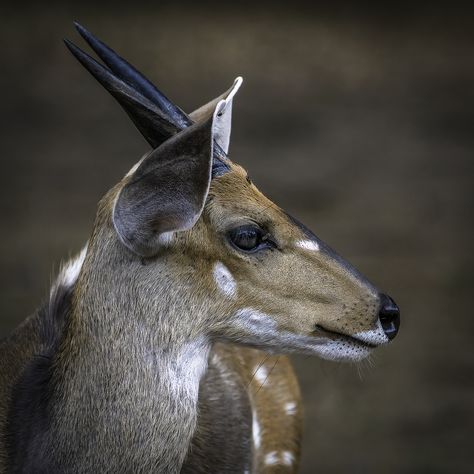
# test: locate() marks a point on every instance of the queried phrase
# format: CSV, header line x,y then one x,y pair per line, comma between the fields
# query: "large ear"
x,y
168,190
223,127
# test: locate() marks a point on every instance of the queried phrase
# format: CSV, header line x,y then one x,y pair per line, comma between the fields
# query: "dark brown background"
x,y
359,122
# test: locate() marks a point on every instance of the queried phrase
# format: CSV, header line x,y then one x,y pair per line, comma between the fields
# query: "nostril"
x,y
389,315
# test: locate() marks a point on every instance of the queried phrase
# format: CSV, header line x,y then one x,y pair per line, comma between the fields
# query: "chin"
x,y
342,350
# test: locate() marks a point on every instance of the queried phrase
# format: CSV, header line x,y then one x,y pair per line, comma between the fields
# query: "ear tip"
x,y
233,90
236,86
238,81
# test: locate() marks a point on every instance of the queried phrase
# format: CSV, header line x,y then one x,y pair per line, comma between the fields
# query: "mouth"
x,y
334,334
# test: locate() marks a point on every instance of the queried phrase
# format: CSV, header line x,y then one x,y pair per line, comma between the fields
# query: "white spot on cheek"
x,y
290,408
310,245
224,280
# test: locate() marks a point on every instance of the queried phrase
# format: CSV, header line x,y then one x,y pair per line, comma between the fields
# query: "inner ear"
x,y
168,190
224,125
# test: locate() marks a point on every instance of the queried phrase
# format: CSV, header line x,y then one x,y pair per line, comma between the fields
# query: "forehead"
x,y
233,191
233,197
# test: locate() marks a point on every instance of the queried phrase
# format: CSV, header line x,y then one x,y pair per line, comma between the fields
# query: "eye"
x,y
249,238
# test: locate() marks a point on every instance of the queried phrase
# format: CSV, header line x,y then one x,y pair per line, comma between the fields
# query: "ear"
x,y
223,128
168,190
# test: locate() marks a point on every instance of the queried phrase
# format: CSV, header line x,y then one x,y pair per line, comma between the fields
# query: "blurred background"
x,y
358,121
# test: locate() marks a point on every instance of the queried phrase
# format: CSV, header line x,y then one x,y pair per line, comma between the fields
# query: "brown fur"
x,y
224,433
118,389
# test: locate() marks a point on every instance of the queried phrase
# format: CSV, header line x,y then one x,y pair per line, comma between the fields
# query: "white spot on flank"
x,y
287,457
224,280
308,245
290,408
261,374
257,436
271,458
215,359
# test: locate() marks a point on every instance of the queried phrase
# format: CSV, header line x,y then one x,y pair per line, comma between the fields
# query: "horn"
x,y
147,117
128,74
154,115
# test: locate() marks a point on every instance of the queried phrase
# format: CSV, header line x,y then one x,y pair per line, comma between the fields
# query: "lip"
x,y
352,339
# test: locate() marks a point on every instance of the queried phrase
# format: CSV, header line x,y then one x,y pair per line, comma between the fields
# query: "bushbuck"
x,y
147,355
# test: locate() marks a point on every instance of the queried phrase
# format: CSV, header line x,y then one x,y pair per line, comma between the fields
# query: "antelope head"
x,y
186,228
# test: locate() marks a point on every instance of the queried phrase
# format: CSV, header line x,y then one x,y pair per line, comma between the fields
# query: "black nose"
x,y
389,315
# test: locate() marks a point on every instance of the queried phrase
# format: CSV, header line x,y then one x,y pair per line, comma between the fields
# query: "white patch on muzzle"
x,y
343,350
261,330
375,336
310,245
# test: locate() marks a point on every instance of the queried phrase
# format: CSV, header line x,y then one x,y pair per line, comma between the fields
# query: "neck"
x,y
128,392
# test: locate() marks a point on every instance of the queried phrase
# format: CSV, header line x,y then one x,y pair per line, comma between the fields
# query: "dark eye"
x,y
249,238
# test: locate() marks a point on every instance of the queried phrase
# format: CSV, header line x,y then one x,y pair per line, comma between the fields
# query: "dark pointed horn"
x,y
127,73
147,117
